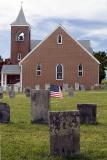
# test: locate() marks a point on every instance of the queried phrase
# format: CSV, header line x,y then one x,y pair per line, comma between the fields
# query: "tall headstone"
x,y
64,133
87,113
76,86
82,87
71,92
1,92
40,106
28,91
4,113
65,87
11,93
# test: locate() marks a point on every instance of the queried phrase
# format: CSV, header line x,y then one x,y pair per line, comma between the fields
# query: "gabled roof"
x,y
34,43
11,69
86,44
20,20
49,36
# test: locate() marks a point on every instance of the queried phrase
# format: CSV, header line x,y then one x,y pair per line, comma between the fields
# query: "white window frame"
x,y
62,72
19,40
58,39
19,56
80,71
38,70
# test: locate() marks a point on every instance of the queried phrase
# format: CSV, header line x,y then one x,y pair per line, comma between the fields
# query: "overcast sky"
x,y
84,19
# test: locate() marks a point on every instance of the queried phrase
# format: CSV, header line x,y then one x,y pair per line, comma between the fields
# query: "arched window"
x,y
59,72
19,56
38,69
20,37
80,70
59,39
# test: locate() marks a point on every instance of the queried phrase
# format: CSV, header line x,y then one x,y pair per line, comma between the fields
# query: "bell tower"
x,y
20,38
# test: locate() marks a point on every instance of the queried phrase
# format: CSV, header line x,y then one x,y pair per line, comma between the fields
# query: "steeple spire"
x,y
20,20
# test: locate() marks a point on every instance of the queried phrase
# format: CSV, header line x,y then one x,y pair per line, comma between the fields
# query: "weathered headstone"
x,y
40,106
65,87
47,86
37,87
82,87
28,91
4,113
1,92
87,113
64,133
76,86
71,92
11,93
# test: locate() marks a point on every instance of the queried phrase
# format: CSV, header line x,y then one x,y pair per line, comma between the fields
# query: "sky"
x,y
83,19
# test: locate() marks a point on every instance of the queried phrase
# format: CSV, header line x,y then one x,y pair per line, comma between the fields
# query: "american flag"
x,y
55,91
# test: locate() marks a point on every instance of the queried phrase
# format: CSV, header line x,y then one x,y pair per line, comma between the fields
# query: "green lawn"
x,y
21,140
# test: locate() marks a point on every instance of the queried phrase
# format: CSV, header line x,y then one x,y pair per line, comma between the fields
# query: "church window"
x,y
59,39
20,37
38,69
80,70
59,72
19,56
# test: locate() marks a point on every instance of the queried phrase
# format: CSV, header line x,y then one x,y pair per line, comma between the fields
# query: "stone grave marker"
x,y
64,133
4,113
1,92
11,92
76,86
28,91
71,92
87,113
82,87
65,87
40,106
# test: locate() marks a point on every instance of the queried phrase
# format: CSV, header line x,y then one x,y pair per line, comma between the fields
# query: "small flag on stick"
x,y
55,91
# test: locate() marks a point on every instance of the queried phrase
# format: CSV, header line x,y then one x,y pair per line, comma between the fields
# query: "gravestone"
x,y
47,86
11,93
71,92
37,87
76,86
87,113
1,92
27,92
64,133
4,113
40,106
82,87
65,87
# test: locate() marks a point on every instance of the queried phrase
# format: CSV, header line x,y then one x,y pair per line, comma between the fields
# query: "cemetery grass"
x,y
21,140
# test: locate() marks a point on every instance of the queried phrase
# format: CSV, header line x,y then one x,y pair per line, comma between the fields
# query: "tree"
x,y
102,58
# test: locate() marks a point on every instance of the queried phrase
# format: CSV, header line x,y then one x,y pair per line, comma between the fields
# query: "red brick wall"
x,y
49,54
19,47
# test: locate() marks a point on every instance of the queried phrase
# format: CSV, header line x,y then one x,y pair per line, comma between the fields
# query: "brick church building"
x,y
58,59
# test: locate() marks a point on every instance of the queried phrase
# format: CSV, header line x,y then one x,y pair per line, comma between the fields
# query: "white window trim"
x,y
38,70
18,36
62,72
58,39
19,59
80,71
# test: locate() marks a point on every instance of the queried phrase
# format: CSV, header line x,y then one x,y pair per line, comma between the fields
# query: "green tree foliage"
x,y
102,58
